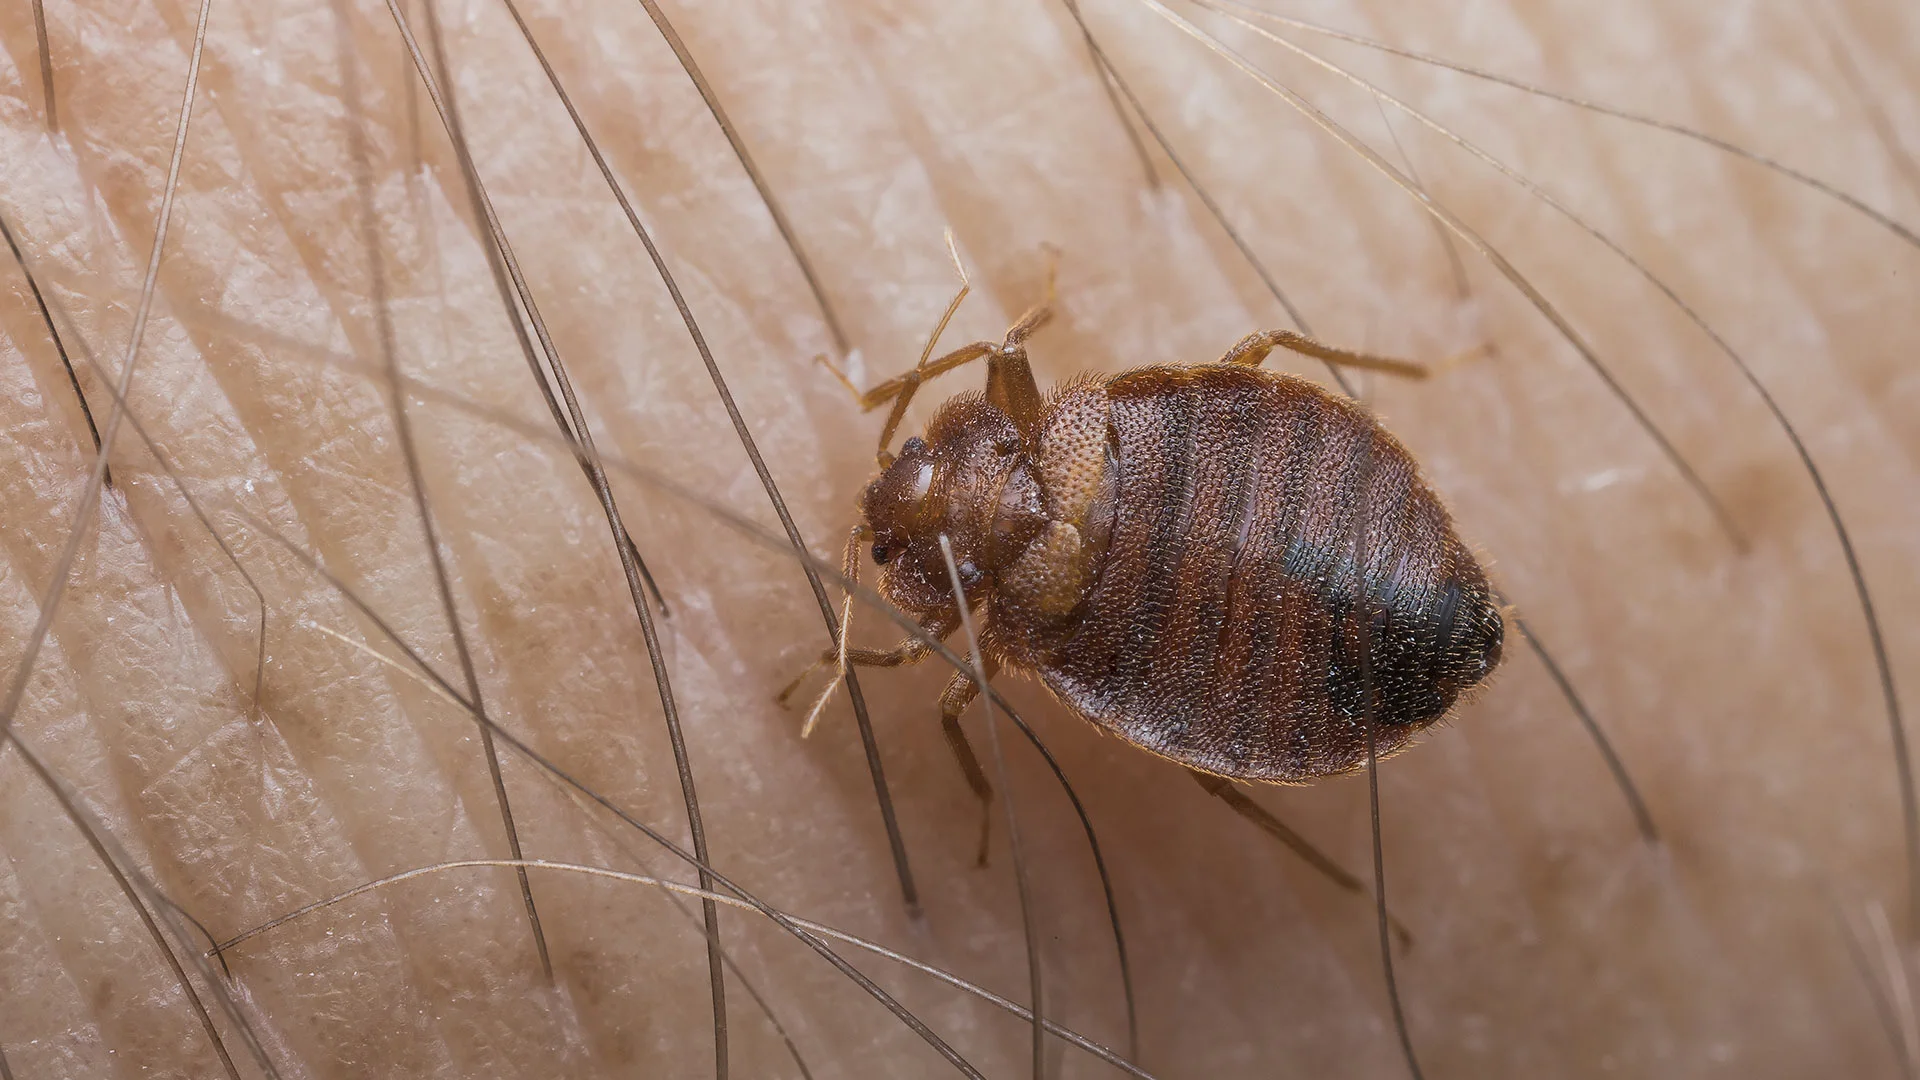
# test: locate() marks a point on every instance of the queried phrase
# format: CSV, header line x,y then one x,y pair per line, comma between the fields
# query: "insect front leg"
x,y
1251,350
900,388
840,657
953,701
905,654
908,652
1010,384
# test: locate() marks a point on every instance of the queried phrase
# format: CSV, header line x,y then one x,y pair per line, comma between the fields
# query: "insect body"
x,y
1226,566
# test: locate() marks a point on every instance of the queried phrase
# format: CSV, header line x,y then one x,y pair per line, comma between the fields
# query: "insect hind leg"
x,y
953,701
1252,350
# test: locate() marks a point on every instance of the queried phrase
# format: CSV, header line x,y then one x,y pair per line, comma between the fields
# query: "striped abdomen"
x,y
1224,628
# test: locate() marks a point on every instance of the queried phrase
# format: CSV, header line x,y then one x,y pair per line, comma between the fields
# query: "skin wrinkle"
x,y
1550,941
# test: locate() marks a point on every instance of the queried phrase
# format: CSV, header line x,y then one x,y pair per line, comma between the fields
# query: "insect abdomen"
x,y
1221,630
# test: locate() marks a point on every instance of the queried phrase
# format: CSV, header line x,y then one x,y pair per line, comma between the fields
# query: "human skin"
x,y
1549,938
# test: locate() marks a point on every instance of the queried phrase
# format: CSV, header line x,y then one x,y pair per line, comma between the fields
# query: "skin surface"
x,y
1549,940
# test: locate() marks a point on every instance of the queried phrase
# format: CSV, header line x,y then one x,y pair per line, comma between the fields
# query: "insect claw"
x,y
1459,359
820,704
1053,253
785,697
827,362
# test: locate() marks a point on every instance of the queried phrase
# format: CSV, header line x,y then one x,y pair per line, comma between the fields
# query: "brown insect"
x,y
1225,566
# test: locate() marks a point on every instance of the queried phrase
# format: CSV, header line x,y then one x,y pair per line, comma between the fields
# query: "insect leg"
x,y
954,701
905,654
1252,349
1223,789
900,388
1010,384
850,569
1039,314
908,652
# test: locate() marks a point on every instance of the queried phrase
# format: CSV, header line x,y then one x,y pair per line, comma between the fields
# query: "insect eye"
x,y
881,553
913,445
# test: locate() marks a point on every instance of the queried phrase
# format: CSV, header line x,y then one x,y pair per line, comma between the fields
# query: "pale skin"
x,y
1549,940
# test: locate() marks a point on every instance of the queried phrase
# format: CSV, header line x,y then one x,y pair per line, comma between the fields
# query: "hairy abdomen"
x,y
1222,629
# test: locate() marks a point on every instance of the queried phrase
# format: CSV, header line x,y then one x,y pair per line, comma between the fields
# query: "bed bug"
x,y
1226,566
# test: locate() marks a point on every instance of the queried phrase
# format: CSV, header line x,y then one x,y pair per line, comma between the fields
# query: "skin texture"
x,y
1549,939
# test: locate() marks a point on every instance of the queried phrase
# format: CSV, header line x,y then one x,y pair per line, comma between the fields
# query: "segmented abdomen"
x,y
1222,630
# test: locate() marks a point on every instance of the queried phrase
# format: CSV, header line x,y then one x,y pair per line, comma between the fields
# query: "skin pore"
x,y
1549,939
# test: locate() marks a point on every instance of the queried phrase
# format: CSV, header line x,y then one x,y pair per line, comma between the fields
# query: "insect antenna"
x,y
447,108
850,567
444,690
909,892
1021,884
900,389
